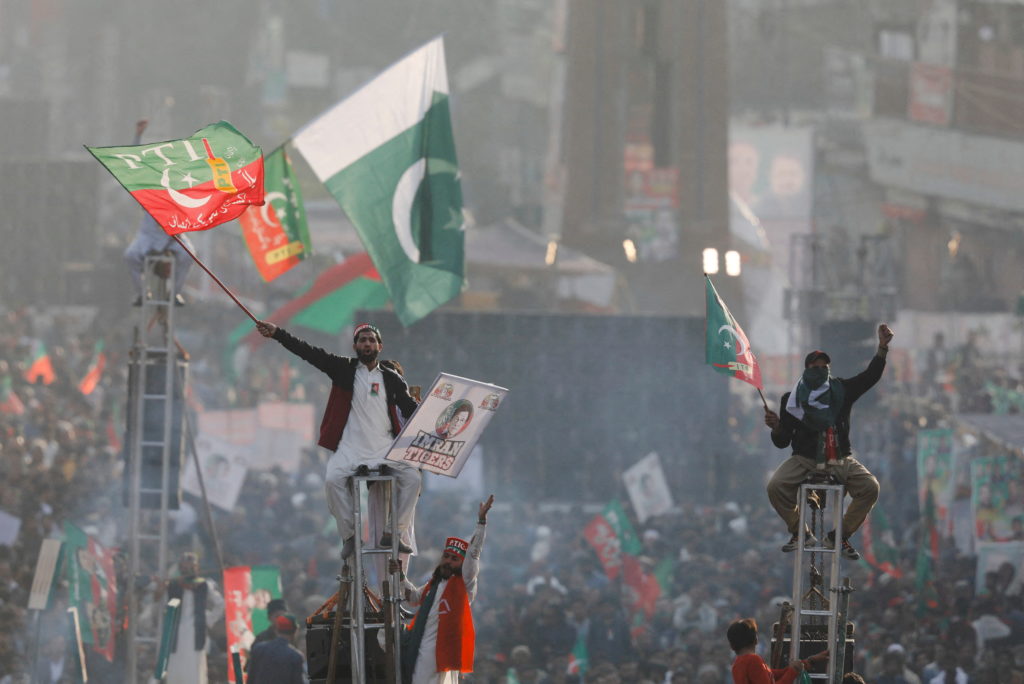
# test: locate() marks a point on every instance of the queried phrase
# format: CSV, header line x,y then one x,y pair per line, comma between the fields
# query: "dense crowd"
x,y
546,610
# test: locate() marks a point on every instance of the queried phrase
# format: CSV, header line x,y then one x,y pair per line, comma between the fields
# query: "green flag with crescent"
x,y
387,155
727,349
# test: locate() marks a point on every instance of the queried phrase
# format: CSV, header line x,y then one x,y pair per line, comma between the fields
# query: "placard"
x,y
447,424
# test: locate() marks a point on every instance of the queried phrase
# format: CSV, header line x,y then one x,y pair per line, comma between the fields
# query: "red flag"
x,y
41,367
642,586
602,537
9,401
95,372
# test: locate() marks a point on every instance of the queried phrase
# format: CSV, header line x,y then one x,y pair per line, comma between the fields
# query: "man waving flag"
x,y
191,184
387,155
727,349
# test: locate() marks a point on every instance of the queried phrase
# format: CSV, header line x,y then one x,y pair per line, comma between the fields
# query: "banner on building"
x,y
447,424
274,433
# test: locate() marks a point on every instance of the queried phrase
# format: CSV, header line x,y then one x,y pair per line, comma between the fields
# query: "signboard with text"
x,y
447,424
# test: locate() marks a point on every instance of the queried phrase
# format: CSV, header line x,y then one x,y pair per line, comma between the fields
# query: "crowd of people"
x,y
545,611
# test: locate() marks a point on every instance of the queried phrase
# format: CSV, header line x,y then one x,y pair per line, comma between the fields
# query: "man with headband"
x,y
815,421
438,644
360,422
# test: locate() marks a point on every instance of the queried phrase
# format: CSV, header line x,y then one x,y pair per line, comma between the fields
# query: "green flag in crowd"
x,y
727,348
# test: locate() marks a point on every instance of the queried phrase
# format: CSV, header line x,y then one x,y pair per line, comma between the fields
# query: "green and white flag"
x,y
387,155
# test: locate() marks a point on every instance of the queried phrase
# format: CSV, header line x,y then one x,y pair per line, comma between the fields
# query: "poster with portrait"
x,y
997,499
648,491
936,465
224,466
247,592
92,588
447,424
992,558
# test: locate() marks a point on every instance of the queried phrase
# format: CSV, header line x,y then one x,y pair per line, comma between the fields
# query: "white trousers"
x,y
339,494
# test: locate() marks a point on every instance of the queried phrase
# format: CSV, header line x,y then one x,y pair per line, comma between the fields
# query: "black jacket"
x,y
342,372
804,439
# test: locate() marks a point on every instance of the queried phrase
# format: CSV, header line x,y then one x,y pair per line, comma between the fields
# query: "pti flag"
x,y
94,373
276,233
247,591
727,349
92,587
387,155
40,367
191,184
612,537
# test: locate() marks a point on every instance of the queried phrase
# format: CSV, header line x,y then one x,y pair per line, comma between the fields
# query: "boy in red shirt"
x,y
749,668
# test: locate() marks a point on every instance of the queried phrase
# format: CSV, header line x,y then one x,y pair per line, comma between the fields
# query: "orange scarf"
x,y
455,633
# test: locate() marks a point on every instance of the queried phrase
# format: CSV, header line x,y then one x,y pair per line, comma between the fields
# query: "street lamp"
x,y
732,263
710,258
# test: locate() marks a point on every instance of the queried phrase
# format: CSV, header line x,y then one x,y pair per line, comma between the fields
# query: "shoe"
x,y
137,301
809,541
179,300
847,552
362,471
385,542
384,469
348,547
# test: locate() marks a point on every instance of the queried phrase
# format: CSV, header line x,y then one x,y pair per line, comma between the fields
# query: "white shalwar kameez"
x,y
425,671
186,665
366,440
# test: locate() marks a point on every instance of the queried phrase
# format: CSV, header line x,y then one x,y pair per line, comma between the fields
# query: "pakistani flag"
x,y
191,184
387,155
727,349
277,234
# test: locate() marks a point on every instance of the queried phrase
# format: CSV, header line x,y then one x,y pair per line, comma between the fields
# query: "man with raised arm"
x,y
814,419
438,644
360,422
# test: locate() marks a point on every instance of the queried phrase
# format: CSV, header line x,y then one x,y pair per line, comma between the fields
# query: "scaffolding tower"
x,y
358,609
157,376
820,597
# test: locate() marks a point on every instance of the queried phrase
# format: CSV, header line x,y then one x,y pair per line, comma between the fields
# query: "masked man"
x,y
815,420
438,644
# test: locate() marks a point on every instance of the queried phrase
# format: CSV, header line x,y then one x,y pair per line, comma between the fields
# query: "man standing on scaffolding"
x,y
360,422
815,419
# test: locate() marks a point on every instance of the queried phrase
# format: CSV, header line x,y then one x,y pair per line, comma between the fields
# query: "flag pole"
x,y
763,400
215,278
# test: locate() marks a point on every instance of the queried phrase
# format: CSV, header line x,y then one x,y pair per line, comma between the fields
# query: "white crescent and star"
x,y
268,199
739,341
179,197
401,207
405,195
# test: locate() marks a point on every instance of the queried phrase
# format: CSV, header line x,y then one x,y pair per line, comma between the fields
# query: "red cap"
x,y
459,546
285,623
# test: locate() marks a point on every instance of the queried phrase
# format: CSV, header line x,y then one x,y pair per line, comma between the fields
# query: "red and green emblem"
x,y
191,184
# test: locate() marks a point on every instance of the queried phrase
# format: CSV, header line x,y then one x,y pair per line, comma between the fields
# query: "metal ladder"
x,y
154,383
353,586
819,597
